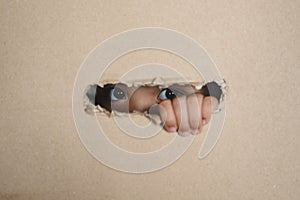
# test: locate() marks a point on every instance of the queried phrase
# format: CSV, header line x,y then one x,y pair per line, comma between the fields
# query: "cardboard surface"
x,y
255,45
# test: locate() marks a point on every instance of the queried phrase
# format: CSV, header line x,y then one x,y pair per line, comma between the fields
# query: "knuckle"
x,y
208,100
170,122
192,99
176,102
199,95
165,103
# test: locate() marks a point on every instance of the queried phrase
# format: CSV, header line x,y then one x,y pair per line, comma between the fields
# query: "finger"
x,y
209,104
180,110
167,116
194,105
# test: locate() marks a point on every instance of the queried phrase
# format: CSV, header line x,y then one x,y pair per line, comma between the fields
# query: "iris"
x,y
117,94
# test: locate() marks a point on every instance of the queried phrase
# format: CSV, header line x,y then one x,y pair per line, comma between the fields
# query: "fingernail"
x,y
204,122
172,129
195,132
184,133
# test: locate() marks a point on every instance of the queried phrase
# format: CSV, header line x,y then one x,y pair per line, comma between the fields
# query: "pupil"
x,y
118,93
170,94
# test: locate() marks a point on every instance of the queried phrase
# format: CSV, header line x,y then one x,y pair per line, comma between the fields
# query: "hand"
x,y
181,107
187,114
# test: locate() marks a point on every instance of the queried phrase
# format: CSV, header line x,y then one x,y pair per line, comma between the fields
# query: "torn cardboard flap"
x,y
90,92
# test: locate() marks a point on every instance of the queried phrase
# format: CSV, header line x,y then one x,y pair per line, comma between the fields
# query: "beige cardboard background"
x,y
256,46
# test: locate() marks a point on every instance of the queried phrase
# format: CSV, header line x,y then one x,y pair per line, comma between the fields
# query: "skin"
x,y
185,114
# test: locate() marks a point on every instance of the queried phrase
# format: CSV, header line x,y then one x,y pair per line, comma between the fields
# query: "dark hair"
x,y
102,96
212,89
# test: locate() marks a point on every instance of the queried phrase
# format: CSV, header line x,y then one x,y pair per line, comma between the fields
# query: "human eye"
x,y
117,94
167,93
